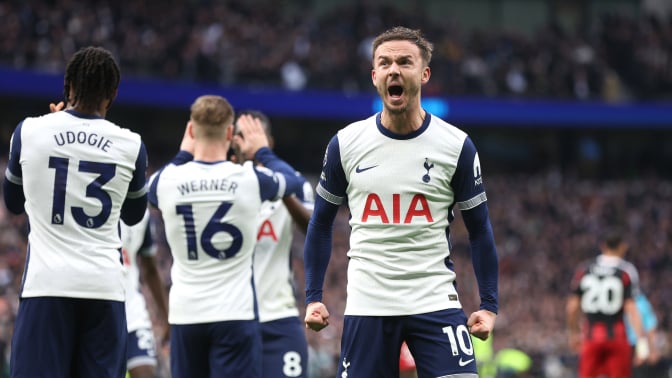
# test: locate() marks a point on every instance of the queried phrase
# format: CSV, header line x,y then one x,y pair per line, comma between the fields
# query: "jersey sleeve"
x,y
467,182
628,285
182,157
13,182
275,185
306,195
133,208
137,188
317,247
268,159
333,183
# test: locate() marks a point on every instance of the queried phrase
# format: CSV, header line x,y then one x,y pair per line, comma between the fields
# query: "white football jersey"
x,y
273,275
211,217
401,190
136,241
75,171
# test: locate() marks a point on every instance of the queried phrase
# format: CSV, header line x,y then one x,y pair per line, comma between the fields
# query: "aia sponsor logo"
x,y
396,212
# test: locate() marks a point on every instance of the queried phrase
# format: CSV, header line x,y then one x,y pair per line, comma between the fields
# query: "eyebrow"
x,y
408,56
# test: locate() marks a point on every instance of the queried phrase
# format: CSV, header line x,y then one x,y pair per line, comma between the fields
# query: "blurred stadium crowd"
x,y
250,43
545,223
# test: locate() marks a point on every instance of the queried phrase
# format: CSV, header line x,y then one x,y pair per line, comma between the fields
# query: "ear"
x,y
190,129
373,77
426,73
229,133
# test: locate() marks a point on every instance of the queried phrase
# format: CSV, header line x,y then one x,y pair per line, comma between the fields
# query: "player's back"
x,y
272,263
76,172
210,213
604,284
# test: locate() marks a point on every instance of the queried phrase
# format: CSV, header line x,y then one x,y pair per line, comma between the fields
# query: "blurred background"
x,y
568,101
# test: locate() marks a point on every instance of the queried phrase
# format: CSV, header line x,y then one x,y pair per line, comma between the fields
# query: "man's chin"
x,y
395,107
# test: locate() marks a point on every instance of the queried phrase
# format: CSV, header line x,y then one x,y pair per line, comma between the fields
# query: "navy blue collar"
x,y
410,135
82,115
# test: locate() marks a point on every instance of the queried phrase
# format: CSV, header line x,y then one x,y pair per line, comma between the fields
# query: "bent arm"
x,y
483,255
151,276
331,193
276,178
266,157
317,248
572,312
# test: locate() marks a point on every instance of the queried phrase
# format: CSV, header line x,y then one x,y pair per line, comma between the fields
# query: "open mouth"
x,y
395,91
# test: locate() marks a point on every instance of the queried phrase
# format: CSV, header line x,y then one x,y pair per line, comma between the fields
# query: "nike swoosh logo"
x,y
463,363
360,170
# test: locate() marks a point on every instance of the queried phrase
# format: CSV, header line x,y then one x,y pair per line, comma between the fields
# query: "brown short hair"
x,y
400,33
212,115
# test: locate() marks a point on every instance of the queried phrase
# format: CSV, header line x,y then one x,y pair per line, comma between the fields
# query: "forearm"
x,y
154,282
317,248
572,314
483,256
270,160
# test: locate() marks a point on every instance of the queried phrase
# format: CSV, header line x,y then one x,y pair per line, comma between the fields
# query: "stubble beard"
x,y
410,93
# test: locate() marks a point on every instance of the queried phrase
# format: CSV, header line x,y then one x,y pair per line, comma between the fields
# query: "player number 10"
x,y
459,337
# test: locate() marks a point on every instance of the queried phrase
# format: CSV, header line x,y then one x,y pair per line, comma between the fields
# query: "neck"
x,y
404,122
101,111
210,151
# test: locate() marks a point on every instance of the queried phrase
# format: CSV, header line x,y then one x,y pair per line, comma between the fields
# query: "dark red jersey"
x,y
604,284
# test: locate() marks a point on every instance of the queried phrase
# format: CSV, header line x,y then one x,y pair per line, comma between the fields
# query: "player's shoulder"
x,y
582,269
172,170
630,270
37,121
120,130
628,266
437,124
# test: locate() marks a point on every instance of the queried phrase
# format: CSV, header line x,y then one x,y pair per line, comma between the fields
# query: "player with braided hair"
x,y
91,78
75,175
